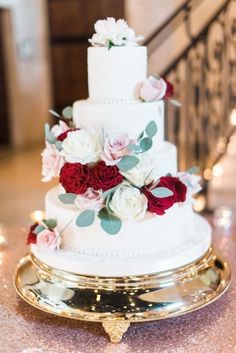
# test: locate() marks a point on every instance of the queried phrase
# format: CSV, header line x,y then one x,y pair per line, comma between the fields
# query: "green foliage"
x,y
151,129
67,112
86,218
162,192
109,223
51,223
127,163
67,198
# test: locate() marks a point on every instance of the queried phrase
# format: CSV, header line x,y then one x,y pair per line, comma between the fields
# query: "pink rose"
x,y
115,147
90,200
48,240
52,162
59,128
152,89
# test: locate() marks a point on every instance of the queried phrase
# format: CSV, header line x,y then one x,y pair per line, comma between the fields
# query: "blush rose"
x,y
52,162
115,147
90,200
48,240
152,89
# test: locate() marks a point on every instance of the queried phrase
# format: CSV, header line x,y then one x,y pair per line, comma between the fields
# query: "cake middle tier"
x,y
129,118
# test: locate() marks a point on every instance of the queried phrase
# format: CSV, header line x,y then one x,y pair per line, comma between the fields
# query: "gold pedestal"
x,y
119,301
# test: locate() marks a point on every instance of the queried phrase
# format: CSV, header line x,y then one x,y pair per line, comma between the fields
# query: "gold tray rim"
x,y
221,289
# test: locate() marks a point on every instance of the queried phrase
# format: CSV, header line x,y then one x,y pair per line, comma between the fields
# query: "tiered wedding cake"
x,y
121,207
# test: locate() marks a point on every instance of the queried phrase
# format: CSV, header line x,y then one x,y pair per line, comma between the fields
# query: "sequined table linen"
x,y
24,329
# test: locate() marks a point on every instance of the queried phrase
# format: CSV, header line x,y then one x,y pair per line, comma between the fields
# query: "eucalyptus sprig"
x,y
67,114
145,143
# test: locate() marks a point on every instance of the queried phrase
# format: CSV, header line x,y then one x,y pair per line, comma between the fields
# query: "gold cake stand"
x,y
118,301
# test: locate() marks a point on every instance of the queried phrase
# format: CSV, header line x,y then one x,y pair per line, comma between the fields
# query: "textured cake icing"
x,y
122,207
119,70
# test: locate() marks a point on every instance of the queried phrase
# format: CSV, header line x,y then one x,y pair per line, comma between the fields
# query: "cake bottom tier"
x,y
116,266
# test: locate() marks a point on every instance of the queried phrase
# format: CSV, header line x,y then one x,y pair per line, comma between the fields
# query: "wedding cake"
x,y
121,207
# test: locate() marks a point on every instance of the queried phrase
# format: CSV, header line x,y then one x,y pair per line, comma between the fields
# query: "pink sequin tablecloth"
x,y
24,329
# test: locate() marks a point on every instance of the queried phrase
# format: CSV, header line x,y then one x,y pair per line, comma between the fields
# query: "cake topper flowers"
x,y
111,33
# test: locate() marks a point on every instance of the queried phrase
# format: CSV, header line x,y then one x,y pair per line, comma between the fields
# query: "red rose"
x,y
105,177
74,177
169,89
64,134
178,188
32,237
158,205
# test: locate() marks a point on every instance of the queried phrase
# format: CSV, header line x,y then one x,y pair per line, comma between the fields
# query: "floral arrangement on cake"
x,y
110,176
109,33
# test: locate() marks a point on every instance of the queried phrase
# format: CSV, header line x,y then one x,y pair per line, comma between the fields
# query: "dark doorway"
x,y
71,24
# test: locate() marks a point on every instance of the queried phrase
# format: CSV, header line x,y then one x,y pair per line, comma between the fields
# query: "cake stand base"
x,y
116,302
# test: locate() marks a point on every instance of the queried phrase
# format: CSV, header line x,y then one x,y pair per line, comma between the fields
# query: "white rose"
x,y
128,202
81,146
192,182
144,173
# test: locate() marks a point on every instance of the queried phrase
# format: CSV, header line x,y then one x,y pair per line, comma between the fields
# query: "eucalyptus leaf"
x,y
162,192
51,138
156,76
133,147
54,113
109,223
145,144
48,134
86,218
110,45
140,136
39,229
58,145
67,112
46,130
51,223
193,170
175,102
67,198
127,163
151,129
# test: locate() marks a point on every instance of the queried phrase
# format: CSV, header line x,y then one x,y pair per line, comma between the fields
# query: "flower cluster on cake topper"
x,y
109,33
110,177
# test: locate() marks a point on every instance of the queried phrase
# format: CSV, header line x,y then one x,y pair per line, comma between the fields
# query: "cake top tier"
x,y
109,33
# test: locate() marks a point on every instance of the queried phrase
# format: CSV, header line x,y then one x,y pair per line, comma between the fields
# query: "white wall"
x,y
28,72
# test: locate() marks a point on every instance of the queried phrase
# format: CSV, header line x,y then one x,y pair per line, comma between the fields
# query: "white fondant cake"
x,y
119,70
120,117
157,232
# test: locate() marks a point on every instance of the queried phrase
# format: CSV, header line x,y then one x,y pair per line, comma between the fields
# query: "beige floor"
x,y
21,189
